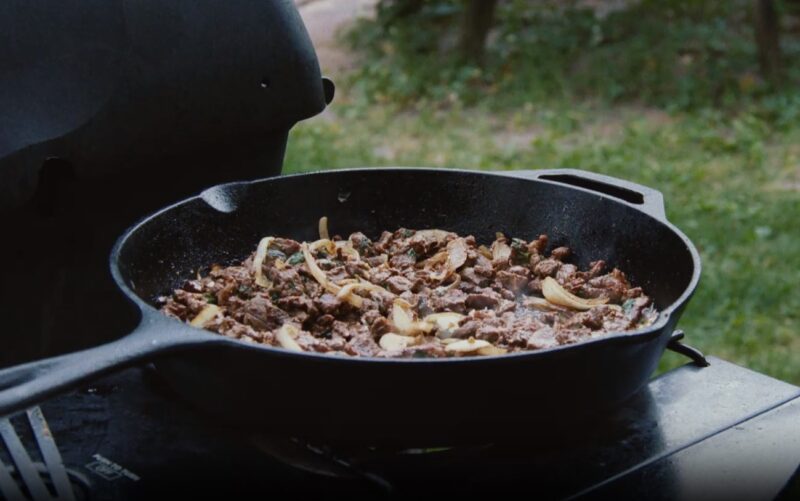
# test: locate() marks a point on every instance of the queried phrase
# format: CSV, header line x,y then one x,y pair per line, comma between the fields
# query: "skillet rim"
x,y
632,337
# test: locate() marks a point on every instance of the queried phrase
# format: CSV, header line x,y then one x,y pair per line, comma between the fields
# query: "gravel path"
x,y
323,19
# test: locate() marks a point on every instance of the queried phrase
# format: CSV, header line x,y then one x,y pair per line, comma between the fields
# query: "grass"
x,y
731,182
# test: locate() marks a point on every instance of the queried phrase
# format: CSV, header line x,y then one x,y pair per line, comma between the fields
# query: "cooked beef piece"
x,y
612,285
481,301
261,314
361,243
514,279
328,303
470,276
285,246
547,267
398,284
452,300
404,259
490,295
362,343
560,253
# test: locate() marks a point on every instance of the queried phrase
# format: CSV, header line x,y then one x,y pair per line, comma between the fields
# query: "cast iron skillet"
x,y
425,400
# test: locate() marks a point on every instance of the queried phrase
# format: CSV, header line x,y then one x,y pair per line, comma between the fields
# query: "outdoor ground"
x,y
731,182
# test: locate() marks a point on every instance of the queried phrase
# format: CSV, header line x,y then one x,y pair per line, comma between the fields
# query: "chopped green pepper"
x,y
627,306
520,248
296,258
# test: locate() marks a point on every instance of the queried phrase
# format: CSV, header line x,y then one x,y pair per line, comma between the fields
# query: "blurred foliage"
x,y
676,54
731,184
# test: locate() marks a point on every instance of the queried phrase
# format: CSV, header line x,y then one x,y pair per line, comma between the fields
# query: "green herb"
x,y
407,233
520,248
296,258
244,291
211,298
420,354
627,306
412,253
275,296
275,253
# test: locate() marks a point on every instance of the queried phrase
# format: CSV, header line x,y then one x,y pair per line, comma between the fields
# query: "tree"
x,y
767,31
476,23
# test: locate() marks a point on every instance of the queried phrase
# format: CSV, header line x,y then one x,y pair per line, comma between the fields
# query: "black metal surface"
x,y
45,478
30,476
23,478
754,460
221,225
112,109
684,349
50,454
690,432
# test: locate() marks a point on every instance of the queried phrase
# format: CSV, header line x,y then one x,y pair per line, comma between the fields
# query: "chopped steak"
x,y
426,293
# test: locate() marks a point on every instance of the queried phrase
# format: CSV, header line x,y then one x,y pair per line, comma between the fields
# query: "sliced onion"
x,y
500,251
439,257
467,345
556,294
485,252
489,351
404,322
347,291
395,342
347,249
208,312
323,228
286,335
258,261
329,246
455,283
431,234
320,277
539,303
456,257
317,272
445,323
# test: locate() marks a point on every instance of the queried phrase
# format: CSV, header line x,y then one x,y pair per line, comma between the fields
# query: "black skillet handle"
x,y
646,199
27,384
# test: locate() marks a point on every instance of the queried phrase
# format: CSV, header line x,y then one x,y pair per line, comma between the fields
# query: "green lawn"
x,y
731,182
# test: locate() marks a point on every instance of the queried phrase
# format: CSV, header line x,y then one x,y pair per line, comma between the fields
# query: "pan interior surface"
x,y
224,225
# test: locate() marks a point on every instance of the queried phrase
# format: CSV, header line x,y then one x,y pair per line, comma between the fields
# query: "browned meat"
x,y
490,296
560,253
328,303
514,279
547,267
261,314
398,284
481,301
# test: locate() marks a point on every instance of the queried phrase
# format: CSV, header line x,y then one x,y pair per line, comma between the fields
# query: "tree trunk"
x,y
767,32
477,22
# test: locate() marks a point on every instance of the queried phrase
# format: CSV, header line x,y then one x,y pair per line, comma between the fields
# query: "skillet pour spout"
x,y
377,400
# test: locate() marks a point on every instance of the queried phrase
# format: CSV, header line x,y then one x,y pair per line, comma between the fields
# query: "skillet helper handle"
x,y
646,199
694,354
27,384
